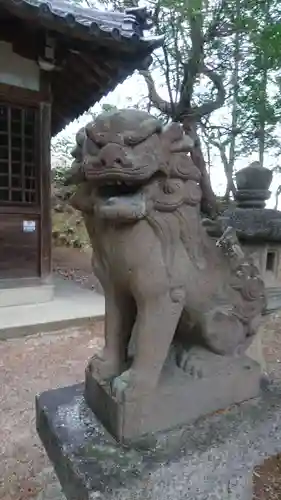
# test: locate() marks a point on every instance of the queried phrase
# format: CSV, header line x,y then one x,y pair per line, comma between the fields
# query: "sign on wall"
x,y
29,226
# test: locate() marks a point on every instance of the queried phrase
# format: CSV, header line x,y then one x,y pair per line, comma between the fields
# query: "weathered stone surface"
x,y
165,280
255,224
212,460
181,310
252,186
211,383
249,218
252,198
254,177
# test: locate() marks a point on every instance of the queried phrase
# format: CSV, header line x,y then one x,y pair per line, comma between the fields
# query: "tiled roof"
x,y
94,50
129,25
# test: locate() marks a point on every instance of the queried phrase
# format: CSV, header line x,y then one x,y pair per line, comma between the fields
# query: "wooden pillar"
x,y
45,191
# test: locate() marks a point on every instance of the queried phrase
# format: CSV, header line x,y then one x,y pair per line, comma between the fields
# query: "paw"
x,y
185,361
104,367
130,385
224,331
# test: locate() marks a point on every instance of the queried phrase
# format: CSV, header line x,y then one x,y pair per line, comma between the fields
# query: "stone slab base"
x,y
210,460
213,383
273,296
71,306
18,296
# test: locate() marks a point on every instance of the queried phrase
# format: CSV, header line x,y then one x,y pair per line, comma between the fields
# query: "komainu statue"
x,y
167,283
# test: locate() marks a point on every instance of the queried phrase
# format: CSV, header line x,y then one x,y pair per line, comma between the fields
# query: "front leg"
x,y
119,319
156,323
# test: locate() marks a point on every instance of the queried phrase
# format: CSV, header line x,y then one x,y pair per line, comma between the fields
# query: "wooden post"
x,y
45,191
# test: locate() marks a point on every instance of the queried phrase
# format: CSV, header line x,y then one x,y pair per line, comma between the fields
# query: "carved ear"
x,y
80,137
172,132
184,145
179,142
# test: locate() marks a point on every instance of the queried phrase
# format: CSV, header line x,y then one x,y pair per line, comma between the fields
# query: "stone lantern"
x,y
253,184
258,228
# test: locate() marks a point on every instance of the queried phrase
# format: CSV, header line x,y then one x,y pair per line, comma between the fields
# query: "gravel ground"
x,y
267,478
29,366
74,264
271,334
34,364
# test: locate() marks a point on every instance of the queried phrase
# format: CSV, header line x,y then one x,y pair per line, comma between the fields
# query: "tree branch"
x,y
212,30
227,164
157,101
191,67
175,33
197,112
168,80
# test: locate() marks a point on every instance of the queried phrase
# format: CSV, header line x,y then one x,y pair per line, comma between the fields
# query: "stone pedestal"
x,y
212,460
213,383
191,299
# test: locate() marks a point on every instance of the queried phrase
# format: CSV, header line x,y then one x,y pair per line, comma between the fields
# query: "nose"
x,y
114,155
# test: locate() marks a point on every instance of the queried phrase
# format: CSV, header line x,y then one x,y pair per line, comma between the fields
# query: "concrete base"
x,y
71,306
211,460
19,295
213,383
255,351
273,296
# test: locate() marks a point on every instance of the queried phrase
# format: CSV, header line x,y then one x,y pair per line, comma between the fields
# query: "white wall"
x,y
16,70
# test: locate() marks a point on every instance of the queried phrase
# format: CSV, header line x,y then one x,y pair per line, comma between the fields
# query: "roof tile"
x,y
130,24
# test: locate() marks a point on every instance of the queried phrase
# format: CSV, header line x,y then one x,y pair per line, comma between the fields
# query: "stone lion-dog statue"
x,y
166,281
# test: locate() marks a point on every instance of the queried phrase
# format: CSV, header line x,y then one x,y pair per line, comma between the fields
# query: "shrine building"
x,y
56,61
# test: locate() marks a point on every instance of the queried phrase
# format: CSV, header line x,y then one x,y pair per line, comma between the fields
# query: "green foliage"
x,y
259,96
59,174
68,229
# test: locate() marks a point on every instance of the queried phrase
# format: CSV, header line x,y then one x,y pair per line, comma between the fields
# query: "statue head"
x,y
126,161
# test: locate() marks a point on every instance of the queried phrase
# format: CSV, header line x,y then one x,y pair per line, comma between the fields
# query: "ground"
x,y
29,366
75,264
34,364
267,478
37,363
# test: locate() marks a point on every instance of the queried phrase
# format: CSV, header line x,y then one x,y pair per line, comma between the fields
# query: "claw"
x,y
129,385
103,368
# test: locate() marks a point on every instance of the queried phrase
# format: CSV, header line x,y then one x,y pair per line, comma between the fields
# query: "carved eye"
x,y
118,160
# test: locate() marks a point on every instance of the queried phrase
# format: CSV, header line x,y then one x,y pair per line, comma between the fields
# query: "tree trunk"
x,y
277,194
262,112
234,114
209,204
263,93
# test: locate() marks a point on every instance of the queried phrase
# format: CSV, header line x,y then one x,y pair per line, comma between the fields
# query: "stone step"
x,y
17,296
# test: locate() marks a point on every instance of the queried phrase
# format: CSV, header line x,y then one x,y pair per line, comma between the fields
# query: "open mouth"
x,y
121,201
118,188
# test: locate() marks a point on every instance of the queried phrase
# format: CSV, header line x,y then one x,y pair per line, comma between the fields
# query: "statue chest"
x,y
127,249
